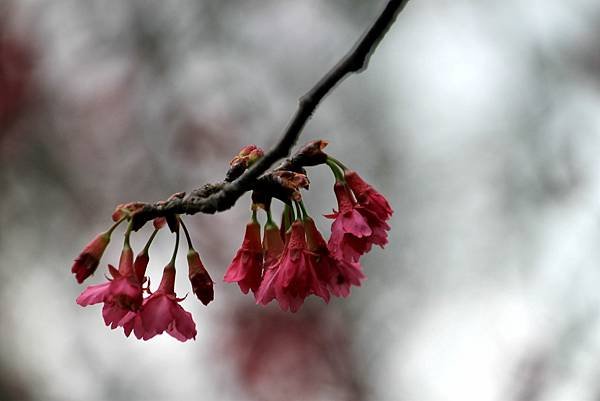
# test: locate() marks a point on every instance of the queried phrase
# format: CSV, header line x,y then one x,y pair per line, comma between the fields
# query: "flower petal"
x,y
93,294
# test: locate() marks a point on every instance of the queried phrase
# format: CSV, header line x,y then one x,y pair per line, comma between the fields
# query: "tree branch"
x,y
213,198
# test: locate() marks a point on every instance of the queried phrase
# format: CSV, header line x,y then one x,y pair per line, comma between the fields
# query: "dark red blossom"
x,y
202,284
87,262
246,267
293,277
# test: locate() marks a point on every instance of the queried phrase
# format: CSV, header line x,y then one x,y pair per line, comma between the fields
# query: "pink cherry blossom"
x,y
367,196
355,228
293,277
246,267
121,294
161,312
338,274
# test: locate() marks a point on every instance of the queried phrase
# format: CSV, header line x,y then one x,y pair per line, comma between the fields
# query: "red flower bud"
x,y
255,155
246,150
202,284
87,262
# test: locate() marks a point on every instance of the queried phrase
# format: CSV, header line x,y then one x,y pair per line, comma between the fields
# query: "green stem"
x,y
112,228
335,169
339,163
254,218
288,216
128,234
303,208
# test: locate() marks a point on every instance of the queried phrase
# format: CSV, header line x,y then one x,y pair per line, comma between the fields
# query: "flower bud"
x,y
87,262
202,284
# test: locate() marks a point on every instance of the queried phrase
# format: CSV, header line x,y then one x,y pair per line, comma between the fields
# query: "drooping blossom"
x,y
355,228
379,229
367,196
161,312
87,262
338,274
202,284
121,294
288,265
293,277
350,230
246,267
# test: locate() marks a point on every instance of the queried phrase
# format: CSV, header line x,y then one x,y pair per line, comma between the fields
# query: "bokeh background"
x,y
480,120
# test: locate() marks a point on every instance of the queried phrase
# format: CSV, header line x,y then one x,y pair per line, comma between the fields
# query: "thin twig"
x,y
221,196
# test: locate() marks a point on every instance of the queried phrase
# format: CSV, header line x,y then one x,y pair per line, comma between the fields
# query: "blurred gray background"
x,y
478,119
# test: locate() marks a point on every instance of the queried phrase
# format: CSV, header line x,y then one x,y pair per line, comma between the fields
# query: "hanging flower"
x,y
355,228
350,230
288,265
246,267
293,277
87,262
379,229
161,312
337,274
202,284
367,196
121,294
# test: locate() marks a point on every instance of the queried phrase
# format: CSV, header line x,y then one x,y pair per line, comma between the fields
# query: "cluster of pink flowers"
x,y
123,293
287,263
292,263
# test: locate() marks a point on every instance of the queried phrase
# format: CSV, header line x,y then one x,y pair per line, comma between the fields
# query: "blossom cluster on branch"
x,y
287,263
